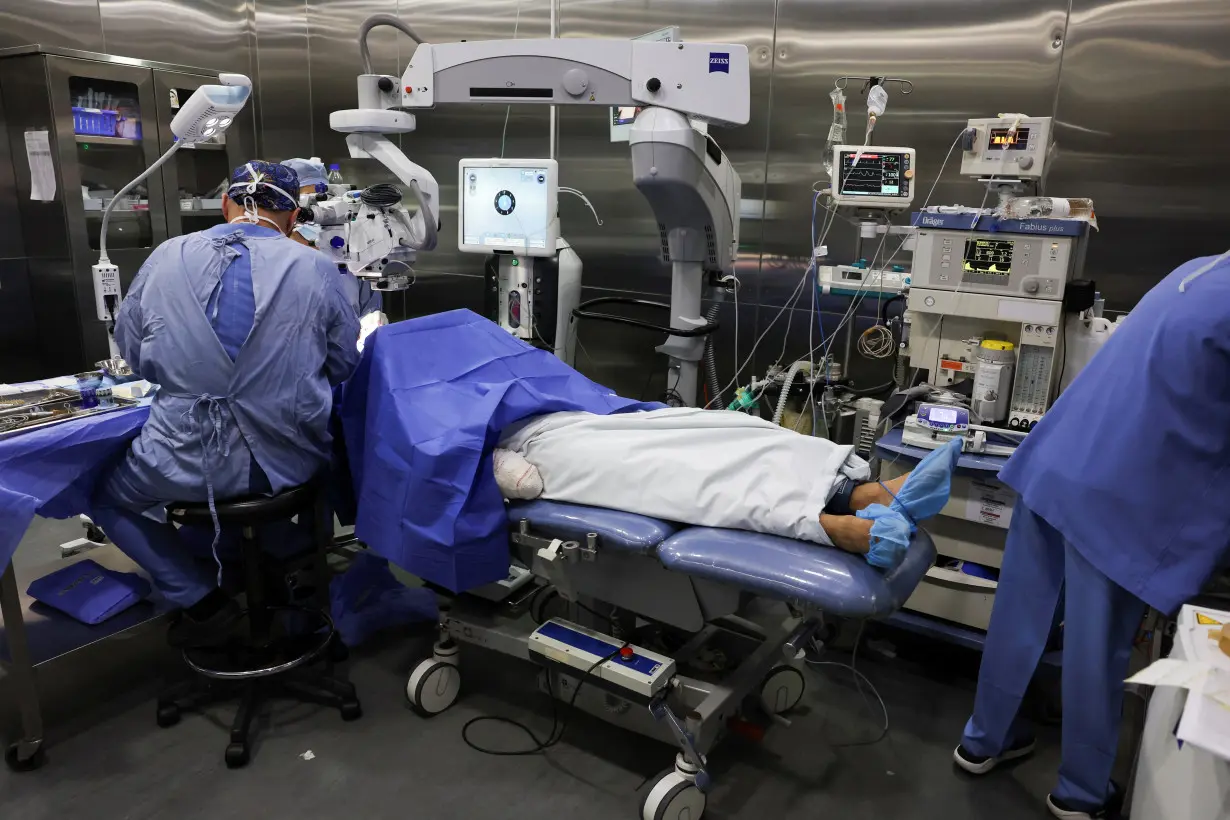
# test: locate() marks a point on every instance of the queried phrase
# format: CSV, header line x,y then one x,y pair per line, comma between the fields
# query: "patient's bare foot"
x,y
872,492
849,532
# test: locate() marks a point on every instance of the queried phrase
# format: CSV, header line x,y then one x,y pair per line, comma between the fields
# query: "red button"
x,y
626,653
409,90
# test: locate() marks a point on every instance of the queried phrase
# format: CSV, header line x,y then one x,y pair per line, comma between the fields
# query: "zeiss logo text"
x,y
719,61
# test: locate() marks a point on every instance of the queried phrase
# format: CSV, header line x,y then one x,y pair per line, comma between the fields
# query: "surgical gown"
x,y
1121,502
212,417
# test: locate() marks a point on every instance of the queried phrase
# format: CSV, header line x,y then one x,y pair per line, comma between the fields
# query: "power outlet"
x,y
106,283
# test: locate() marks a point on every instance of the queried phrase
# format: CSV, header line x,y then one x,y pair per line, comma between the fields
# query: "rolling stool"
x,y
264,664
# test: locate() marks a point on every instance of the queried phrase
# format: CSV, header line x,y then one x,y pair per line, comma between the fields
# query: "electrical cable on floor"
x,y
857,685
552,737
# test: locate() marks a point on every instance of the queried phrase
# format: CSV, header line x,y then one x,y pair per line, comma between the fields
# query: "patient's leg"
x,y
875,492
849,532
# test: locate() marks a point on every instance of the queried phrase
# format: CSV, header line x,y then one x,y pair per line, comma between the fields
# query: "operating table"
x,y
641,576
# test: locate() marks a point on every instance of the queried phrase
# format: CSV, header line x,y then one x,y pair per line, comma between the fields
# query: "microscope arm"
x,y
379,147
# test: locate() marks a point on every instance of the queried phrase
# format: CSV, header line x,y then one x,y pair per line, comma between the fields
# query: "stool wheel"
x,y
237,755
168,715
351,710
16,763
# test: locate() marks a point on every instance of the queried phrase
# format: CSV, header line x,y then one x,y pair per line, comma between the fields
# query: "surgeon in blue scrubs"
x,y
246,333
1122,503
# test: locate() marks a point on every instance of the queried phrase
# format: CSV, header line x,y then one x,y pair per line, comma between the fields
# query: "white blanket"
x,y
699,467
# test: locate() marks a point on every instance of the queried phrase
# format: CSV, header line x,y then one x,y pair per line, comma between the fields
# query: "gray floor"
x,y
391,763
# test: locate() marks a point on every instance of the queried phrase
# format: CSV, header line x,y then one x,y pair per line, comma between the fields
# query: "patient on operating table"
x,y
723,469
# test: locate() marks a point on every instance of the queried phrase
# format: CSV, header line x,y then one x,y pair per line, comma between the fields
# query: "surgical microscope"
x,y
690,184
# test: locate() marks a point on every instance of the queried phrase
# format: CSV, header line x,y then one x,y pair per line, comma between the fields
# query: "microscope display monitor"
x,y
987,261
878,177
508,206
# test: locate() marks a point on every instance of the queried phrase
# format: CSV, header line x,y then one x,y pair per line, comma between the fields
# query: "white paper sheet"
x,y
1206,717
1169,672
42,169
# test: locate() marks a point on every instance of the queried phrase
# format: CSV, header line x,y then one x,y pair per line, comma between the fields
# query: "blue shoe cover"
x,y
922,496
890,535
927,489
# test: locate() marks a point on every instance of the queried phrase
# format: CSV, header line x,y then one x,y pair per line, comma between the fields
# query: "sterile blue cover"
x,y
89,593
367,598
52,471
421,417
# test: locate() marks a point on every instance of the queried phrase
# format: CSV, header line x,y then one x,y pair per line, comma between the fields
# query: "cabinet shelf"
x,y
92,140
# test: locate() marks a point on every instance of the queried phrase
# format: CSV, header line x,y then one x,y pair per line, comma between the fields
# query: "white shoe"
x,y
1063,812
976,764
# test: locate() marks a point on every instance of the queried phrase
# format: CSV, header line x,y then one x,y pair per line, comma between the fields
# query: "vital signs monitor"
x,y
873,176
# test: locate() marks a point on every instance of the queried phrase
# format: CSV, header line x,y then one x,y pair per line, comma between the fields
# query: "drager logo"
x,y
932,221
719,61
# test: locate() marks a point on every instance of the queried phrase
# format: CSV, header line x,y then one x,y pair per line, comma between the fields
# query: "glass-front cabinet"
x,y
79,128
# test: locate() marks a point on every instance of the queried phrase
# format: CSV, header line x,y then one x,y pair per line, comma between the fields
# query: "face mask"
x,y
310,231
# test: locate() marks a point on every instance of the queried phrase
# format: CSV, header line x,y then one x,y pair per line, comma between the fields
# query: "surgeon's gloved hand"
x,y
929,484
890,535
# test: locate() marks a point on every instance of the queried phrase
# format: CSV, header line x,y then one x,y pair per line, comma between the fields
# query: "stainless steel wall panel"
x,y
1142,124
67,23
284,89
212,34
333,27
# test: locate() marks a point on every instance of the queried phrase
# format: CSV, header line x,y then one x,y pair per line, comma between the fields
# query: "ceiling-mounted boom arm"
x,y
708,81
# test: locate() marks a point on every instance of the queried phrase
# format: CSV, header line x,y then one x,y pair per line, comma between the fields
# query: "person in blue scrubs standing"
x,y
246,333
1121,502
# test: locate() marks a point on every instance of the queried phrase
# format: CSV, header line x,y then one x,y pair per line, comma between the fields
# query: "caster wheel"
x,y
237,755
673,797
545,605
168,715
26,764
782,690
351,710
433,687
